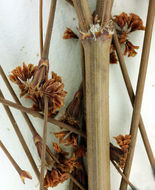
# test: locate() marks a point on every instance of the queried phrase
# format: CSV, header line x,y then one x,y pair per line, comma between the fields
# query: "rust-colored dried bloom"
x,y
130,49
34,83
72,117
54,177
68,34
123,142
21,76
25,174
61,171
67,138
120,155
125,24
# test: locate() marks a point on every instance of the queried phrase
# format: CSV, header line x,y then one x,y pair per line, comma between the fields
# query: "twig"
x,y
41,116
27,110
132,97
22,173
33,131
21,139
123,176
139,90
6,102
84,14
49,30
43,152
41,25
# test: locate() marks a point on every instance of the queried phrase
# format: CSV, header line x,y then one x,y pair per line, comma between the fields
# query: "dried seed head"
x,y
33,82
125,24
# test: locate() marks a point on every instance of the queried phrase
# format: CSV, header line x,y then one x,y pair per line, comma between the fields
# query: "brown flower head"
x,y
34,83
126,24
123,142
117,154
68,34
54,177
21,76
61,171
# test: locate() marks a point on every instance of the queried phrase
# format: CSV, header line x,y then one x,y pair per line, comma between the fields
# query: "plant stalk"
x,y
97,109
49,30
132,97
43,152
41,116
21,139
84,14
139,90
22,173
41,25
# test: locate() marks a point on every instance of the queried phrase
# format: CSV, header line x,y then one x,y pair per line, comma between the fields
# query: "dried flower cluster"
x,y
62,170
125,25
34,84
120,155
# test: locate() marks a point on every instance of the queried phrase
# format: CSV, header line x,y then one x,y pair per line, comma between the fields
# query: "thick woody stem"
x,y
84,14
97,112
139,90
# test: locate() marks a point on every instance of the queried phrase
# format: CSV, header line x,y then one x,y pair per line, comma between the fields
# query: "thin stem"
x,y
41,25
22,173
44,143
139,90
49,30
21,139
31,127
132,97
38,115
13,162
123,176
84,14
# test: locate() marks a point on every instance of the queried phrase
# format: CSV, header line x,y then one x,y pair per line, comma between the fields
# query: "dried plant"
x,y
34,84
120,155
125,25
69,34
